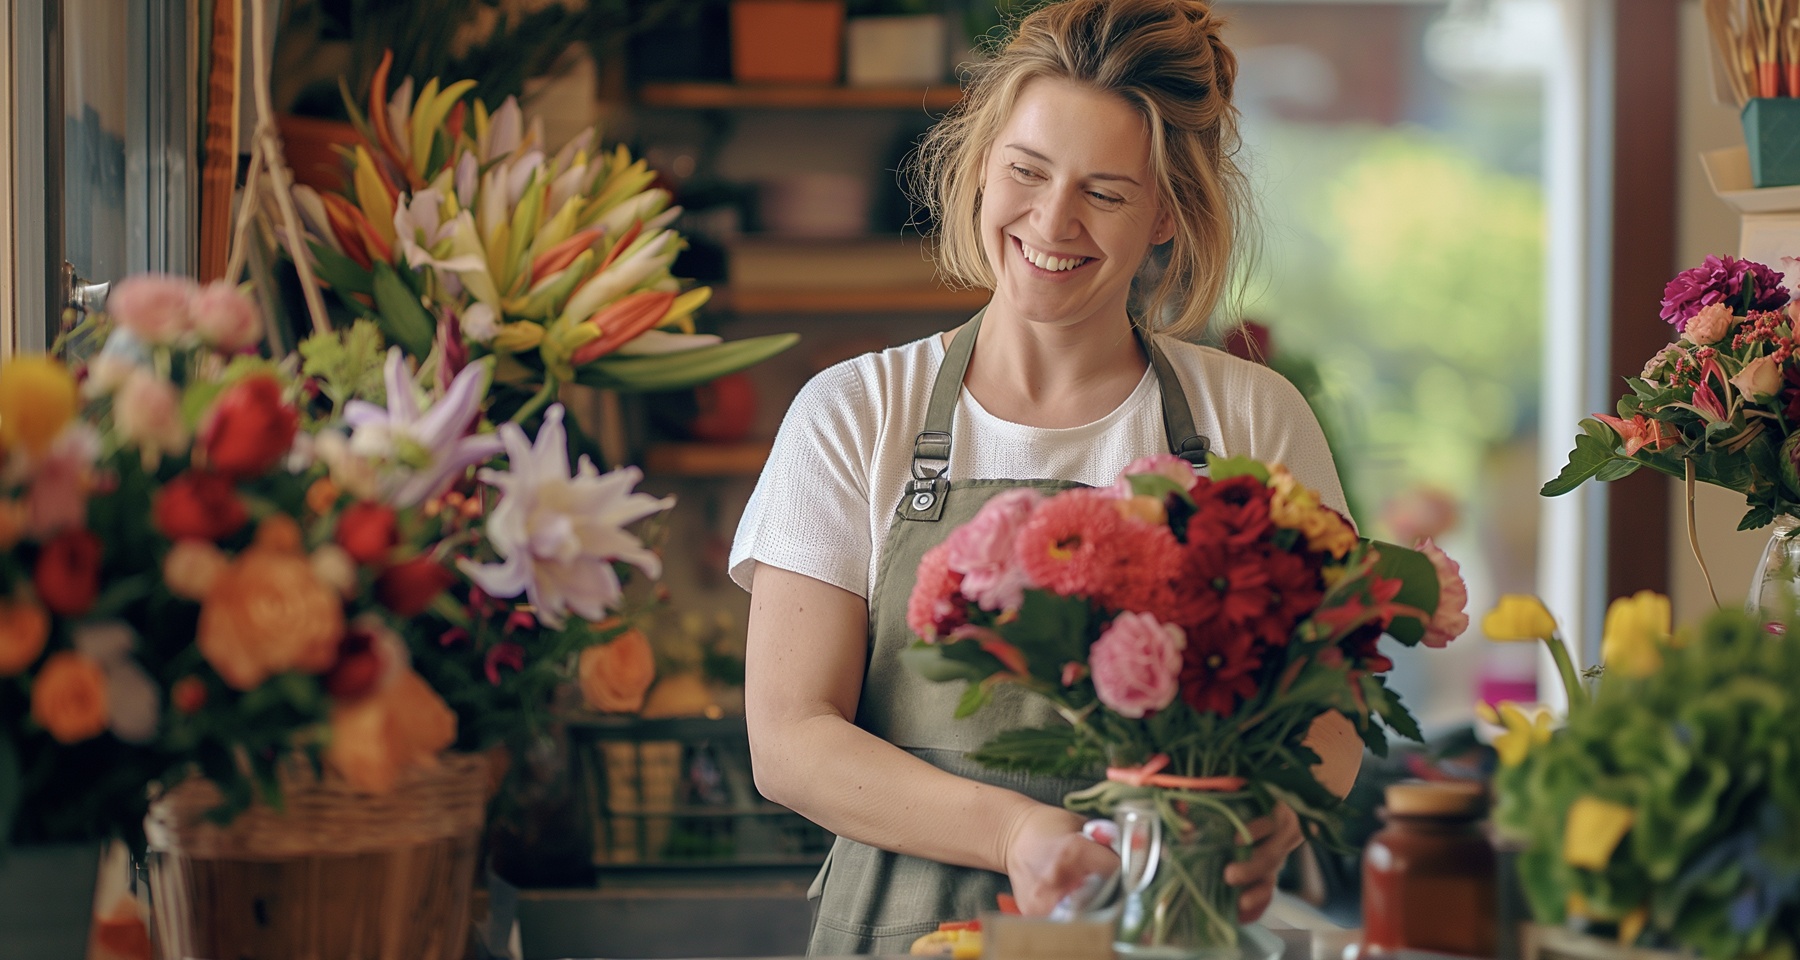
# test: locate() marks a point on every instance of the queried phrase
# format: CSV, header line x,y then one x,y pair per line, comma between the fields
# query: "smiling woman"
x,y
1102,130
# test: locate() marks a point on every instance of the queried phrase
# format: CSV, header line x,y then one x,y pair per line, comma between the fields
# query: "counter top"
x,y
1298,942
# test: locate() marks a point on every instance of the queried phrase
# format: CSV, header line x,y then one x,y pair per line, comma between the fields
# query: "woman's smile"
x,y
1051,265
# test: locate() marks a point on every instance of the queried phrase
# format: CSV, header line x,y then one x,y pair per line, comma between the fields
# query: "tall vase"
x,y
1176,903
47,899
1776,585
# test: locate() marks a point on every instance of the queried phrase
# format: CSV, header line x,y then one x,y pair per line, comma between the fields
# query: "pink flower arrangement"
x,y
1195,623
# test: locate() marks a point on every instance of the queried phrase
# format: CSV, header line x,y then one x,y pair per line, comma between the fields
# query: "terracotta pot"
x,y
309,144
787,41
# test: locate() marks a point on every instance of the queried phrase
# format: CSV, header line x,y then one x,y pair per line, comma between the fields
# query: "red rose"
x,y
368,532
358,667
68,572
198,505
249,428
408,588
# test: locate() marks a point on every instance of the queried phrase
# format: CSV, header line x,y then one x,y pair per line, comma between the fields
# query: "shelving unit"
x,y
851,300
707,459
726,96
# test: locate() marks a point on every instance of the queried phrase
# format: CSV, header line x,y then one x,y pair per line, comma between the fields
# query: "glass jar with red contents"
x,y
1429,874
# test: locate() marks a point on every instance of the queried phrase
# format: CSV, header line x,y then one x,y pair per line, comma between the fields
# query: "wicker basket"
x,y
339,876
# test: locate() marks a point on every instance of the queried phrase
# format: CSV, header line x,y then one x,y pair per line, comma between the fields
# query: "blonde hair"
x,y
1167,60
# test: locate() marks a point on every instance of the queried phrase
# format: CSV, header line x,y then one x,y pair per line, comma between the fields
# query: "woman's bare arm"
x,y
802,679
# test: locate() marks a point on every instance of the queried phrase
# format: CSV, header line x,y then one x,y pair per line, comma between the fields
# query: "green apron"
x,y
871,901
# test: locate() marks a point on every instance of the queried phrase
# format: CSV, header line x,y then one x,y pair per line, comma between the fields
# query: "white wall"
x,y
1705,225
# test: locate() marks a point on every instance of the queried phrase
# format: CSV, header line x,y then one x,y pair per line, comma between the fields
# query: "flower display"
x,y
457,218
215,562
1720,404
1164,611
1662,810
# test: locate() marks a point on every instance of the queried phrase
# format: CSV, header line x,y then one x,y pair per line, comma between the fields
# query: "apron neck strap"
x,y
931,449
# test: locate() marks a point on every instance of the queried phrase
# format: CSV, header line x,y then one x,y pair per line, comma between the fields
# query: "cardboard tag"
x,y
1006,936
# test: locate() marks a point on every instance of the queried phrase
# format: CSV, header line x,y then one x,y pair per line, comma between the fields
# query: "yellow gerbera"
x,y
1519,617
1593,831
1523,731
1636,628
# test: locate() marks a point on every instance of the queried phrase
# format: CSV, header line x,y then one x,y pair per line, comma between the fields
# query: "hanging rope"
x,y
266,154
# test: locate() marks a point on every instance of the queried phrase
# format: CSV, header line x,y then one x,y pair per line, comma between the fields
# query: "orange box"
x,y
787,41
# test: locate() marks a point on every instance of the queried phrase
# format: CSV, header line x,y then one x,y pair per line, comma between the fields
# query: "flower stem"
x,y
1559,652
538,401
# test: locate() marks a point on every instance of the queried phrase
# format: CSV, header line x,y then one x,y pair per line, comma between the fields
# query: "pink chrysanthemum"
x,y
982,551
1074,543
1450,618
934,609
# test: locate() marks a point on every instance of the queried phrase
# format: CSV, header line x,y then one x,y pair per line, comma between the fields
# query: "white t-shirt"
x,y
843,455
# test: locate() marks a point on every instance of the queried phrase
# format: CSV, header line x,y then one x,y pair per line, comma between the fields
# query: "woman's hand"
x,y
1275,836
1047,858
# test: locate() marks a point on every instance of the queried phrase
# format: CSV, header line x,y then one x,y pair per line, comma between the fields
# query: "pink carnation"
x,y
1450,619
934,609
982,551
153,306
1165,464
1136,664
226,320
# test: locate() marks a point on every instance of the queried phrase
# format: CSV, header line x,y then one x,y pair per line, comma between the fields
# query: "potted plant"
x,y
1665,813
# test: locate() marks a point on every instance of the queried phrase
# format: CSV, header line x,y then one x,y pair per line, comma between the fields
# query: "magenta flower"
x,y
1722,280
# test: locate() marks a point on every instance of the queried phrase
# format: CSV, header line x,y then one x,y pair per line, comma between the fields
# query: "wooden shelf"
x,y
854,300
728,96
707,459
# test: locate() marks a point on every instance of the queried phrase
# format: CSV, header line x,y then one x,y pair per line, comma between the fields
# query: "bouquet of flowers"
x,y
457,229
1719,405
211,566
1666,811
1189,631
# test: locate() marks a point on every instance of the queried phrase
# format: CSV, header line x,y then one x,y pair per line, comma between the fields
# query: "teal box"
x,y
1772,132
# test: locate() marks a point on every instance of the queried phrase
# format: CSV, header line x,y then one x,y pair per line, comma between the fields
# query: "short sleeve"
x,y
1287,432
809,512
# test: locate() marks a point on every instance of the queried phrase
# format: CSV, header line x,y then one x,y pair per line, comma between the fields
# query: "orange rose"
x,y
616,675
268,613
69,697
24,626
378,738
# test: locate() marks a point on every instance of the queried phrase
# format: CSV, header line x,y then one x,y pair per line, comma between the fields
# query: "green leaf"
x,y
1050,631
1224,468
1389,708
1756,518
682,369
973,699
1158,486
1057,750
1419,588
401,316
1594,449
934,662
344,274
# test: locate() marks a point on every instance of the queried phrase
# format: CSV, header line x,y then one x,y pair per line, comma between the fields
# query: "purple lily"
x,y
421,451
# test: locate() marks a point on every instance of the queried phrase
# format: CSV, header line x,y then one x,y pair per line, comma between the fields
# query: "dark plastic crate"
x,y
678,793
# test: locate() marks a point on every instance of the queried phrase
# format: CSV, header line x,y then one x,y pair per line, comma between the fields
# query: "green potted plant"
x,y
1665,814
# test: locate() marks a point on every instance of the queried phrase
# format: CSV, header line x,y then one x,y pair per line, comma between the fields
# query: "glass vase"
x,y
1176,903
1775,588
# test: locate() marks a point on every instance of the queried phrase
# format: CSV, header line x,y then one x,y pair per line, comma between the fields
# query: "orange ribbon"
x,y
1151,775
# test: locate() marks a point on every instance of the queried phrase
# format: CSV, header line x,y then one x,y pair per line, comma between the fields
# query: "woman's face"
x,y
1068,209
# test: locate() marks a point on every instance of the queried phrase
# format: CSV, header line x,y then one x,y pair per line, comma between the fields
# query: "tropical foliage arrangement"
x,y
1721,404
215,562
459,232
1666,810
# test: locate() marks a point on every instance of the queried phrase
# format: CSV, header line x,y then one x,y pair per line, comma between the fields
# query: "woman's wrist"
x,y
1034,821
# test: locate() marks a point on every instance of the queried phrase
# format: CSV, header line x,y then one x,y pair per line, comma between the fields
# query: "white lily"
x,y
559,533
422,450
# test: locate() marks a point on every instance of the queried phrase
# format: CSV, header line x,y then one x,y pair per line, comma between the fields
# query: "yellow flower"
x,y
1636,628
1593,831
1522,731
1294,507
37,399
1519,617
1632,925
